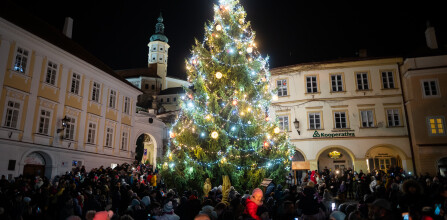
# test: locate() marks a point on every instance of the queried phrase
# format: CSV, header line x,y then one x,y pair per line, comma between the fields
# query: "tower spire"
x,y
159,34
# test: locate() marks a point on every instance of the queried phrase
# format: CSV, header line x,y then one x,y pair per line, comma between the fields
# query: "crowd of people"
x,y
136,191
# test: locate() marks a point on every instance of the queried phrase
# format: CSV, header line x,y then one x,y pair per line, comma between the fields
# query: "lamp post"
x,y
64,124
297,126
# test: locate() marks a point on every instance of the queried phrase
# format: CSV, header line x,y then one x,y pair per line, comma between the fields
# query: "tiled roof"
x,y
18,16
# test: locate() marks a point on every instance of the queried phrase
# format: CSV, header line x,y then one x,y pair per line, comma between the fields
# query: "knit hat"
x,y
27,199
103,215
168,207
146,201
337,215
135,202
209,210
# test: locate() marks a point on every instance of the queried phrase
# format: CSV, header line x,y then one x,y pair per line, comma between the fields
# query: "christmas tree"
x,y
224,127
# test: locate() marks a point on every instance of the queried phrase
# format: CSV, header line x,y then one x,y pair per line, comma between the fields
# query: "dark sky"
x,y
289,31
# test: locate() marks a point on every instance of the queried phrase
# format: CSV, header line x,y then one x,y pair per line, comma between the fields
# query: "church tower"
x,y
158,51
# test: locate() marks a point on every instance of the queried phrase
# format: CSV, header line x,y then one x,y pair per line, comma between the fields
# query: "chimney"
x,y
68,27
430,37
363,53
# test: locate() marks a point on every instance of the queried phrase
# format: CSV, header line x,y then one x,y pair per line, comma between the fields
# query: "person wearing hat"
x,y
252,203
337,215
168,213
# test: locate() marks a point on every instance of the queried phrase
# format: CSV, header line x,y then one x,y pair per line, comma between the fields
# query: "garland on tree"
x,y
223,127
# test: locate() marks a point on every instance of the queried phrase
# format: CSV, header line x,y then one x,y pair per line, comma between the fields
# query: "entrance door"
x,y
32,170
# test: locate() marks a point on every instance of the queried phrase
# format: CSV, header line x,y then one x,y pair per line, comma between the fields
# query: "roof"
x,y
150,71
10,11
173,90
313,65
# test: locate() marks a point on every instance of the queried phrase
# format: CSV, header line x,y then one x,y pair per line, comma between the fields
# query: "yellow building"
x,y
344,114
60,106
424,78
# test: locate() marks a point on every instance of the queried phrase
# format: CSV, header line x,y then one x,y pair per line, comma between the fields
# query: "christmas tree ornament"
x,y
214,134
249,49
218,75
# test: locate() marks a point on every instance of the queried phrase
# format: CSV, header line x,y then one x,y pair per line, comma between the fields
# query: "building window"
x,y
283,123
393,116
112,99
44,122
362,81
340,120
126,105
311,84
436,125
153,87
51,73
109,137
388,79
337,83
161,100
175,99
146,86
367,118
70,128
281,85
154,49
167,100
124,141
21,60
91,133
161,48
430,87
314,120
95,91
12,114
75,82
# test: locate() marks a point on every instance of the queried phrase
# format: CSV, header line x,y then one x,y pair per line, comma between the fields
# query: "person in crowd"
x,y
252,203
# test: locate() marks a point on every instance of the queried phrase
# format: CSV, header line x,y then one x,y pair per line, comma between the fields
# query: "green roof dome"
x,y
159,31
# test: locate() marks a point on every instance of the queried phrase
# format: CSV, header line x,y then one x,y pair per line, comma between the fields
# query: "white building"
x,y
349,114
60,106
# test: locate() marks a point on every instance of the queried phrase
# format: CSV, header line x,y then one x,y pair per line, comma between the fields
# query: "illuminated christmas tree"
x,y
224,126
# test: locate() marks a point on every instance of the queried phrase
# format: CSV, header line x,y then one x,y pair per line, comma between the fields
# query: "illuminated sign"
x,y
333,135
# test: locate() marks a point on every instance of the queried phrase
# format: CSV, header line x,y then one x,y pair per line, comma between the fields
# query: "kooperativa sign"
x,y
333,135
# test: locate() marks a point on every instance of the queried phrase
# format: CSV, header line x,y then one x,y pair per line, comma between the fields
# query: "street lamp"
x,y
64,124
297,126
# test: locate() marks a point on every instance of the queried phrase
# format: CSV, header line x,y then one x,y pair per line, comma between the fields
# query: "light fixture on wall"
x,y
64,124
297,126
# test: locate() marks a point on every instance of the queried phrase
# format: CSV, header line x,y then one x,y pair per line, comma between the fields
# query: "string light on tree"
x,y
220,127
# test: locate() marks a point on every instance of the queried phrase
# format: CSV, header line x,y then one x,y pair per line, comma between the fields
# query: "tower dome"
x,y
159,31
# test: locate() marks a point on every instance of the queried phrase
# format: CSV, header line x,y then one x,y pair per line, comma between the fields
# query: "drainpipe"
x,y
408,121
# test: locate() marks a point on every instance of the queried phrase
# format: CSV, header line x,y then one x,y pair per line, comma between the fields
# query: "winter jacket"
x,y
251,208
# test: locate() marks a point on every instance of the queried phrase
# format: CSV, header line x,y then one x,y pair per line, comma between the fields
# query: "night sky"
x,y
289,31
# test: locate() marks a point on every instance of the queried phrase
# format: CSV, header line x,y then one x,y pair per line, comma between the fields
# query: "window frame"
x,y
96,92
374,121
395,80
48,122
334,120
401,124
19,113
429,128
320,113
368,78
28,59
317,78
70,128
281,124
282,88
53,72
124,144
75,81
438,89
91,133
112,94
342,82
126,105
109,137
